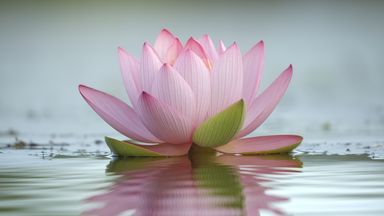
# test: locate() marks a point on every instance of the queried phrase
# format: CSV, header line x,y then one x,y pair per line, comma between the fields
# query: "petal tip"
x,y
233,45
120,49
165,30
167,33
145,94
242,102
82,88
147,46
299,138
260,44
233,48
289,70
191,39
166,67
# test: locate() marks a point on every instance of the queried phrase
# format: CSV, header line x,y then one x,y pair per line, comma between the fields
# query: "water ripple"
x,y
201,184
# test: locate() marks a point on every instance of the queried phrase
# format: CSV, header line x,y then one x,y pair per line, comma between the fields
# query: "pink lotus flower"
x,y
188,94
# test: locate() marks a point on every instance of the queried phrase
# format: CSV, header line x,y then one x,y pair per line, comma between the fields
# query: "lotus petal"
x,y
131,148
209,48
173,52
262,145
221,48
253,63
163,42
117,114
226,80
170,88
196,74
163,121
149,67
196,47
221,128
265,103
129,67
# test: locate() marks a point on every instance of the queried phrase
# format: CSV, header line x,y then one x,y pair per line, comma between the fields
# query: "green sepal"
x,y
128,148
222,127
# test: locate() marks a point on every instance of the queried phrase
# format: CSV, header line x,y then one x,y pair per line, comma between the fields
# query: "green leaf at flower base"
x,y
132,148
221,128
126,149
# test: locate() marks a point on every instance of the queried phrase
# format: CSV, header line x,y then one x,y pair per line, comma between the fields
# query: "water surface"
x,y
42,180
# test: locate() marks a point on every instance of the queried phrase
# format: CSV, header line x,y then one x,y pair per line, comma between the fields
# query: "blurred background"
x,y
47,48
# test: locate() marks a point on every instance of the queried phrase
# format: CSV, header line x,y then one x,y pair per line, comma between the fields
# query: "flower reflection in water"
x,y
194,185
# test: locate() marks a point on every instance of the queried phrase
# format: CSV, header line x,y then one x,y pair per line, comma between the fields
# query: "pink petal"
x,y
166,149
164,121
196,74
221,48
117,114
163,42
129,67
170,88
149,67
226,80
209,48
253,63
196,47
265,103
173,52
262,145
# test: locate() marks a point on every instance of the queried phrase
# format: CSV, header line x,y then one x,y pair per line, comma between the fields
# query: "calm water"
x,y
59,179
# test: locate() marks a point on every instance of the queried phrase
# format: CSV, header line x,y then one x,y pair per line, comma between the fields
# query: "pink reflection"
x,y
224,185
252,171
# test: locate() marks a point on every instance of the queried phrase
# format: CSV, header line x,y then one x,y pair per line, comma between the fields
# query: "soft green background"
x,y
48,47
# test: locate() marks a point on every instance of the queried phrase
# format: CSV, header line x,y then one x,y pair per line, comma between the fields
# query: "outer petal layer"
x,y
226,80
149,67
221,128
117,114
129,67
164,121
265,103
253,62
130,148
262,145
